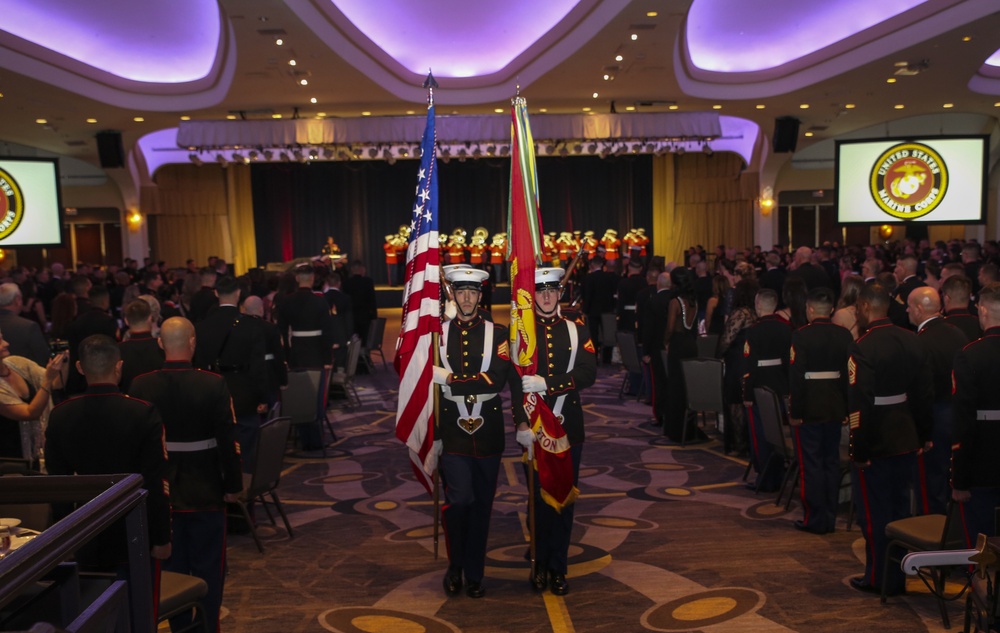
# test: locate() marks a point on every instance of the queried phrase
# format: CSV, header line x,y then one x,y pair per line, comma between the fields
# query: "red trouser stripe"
x,y
802,475
868,521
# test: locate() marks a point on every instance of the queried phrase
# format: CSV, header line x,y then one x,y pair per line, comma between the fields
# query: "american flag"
x,y
421,318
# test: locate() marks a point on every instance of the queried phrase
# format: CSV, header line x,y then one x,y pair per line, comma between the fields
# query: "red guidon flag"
x,y
552,459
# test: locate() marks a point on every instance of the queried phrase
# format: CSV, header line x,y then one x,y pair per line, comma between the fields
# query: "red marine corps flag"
x,y
421,317
551,454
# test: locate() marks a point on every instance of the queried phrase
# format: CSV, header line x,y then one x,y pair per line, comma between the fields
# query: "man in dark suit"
x,y
956,291
361,289
774,276
976,407
890,397
813,275
23,335
598,290
95,319
204,461
141,353
233,345
942,341
818,408
342,315
274,350
206,298
106,432
907,281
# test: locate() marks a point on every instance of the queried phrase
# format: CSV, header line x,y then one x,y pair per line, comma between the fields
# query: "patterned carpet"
x,y
666,539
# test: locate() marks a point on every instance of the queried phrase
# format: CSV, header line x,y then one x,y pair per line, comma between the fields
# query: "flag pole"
x,y
430,84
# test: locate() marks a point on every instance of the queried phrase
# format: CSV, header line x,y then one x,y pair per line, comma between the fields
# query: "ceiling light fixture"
x,y
312,100
91,120
268,154
292,62
630,108
595,95
707,149
195,159
303,82
219,158
313,154
618,58
635,36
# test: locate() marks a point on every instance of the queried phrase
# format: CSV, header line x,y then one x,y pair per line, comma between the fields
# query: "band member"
x,y
818,408
889,402
976,407
470,436
566,364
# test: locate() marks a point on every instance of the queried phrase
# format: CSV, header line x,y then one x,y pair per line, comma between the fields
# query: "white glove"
x,y
438,447
450,310
441,375
526,438
533,384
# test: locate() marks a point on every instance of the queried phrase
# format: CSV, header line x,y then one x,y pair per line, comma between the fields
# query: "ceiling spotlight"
x,y
605,151
578,148
477,153
592,148
680,150
636,148
221,159
504,150
240,158
253,154
328,152
268,154
285,156
343,155
635,36
195,159
650,148
446,152
618,58
404,152
357,151
313,154
563,151
372,152
387,154
550,148
491,150
291,62
707,149
303,82
297,155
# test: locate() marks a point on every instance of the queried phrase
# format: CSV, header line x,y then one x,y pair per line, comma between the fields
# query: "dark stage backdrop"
x,y
297,206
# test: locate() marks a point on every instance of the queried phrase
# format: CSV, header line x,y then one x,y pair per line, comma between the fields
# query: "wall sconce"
x,y
766,201
134,220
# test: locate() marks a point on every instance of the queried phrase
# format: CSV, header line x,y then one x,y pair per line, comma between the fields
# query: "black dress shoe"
x,y
452,581
538,579
802,527
860,584
475,589
557,583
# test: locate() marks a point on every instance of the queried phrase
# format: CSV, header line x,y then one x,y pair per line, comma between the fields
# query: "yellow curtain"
x,y
199,211
700,199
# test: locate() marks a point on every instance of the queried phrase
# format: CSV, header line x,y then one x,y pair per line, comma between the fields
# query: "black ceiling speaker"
x,y
786,134
110,149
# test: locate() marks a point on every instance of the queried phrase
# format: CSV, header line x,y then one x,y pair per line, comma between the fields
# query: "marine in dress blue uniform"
x,y
304,321
475,367
204,461
942,341
566,364
766,356
818,409
890,394
976,410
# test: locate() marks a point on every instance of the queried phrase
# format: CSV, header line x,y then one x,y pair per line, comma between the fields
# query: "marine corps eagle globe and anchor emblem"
x,y
909,180
11,205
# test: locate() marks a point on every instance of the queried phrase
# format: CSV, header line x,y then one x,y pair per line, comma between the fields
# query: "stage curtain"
x,y
713,202
242,233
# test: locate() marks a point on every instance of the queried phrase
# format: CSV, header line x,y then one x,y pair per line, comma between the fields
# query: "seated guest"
x,y
23,335
141,353
106,432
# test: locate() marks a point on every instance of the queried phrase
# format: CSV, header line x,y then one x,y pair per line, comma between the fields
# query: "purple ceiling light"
x,y
753,35
456,38
994,59
987,80
156,42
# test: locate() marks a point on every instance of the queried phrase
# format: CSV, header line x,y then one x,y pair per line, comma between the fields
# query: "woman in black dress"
x,y
680,337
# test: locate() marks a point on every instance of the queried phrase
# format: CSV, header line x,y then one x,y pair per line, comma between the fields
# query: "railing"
x,y
106,498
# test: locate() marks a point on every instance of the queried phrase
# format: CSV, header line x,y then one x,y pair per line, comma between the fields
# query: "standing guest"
x,y
817,410
140,352
231,344
730,349
342,318
205,298
793,295
106,432
274,350
626,310
63,313
304,320
774,276
702,287
654,344
23,335
765,362
94,319
566,364
31,306
361,289
598,299
890,393
80,287
680,338
204,462
476,367
814,276
846,315
971,260
956,291
169,301
976,408
906,277
25,397
715,318
942,341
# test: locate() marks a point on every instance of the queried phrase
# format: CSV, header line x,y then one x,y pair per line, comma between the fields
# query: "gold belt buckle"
x,y
470,425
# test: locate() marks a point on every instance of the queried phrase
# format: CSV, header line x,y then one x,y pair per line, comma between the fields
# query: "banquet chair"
x,y
373,344
266,476
707,345
182,593
703,386
776,434
630,359
343,381
304,401
928,532
609,331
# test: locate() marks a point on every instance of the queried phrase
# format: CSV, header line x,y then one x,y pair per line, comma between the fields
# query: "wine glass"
x,y
5,540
